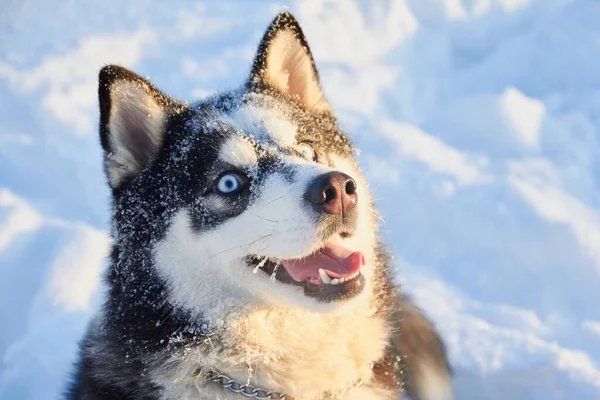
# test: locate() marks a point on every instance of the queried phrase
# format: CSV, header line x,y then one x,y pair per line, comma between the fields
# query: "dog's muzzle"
x,y
332,272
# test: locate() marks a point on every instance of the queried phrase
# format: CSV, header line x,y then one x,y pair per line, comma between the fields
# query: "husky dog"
x,y
246,261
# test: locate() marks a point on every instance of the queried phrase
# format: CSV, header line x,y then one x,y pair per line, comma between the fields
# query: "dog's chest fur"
x,y
295,352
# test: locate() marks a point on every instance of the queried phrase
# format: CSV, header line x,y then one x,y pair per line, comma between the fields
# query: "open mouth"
x,y
330,274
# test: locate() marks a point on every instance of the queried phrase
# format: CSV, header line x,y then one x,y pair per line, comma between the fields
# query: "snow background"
x,y
479,128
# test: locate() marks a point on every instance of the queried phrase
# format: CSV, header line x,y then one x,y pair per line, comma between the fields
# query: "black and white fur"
x,y
183,294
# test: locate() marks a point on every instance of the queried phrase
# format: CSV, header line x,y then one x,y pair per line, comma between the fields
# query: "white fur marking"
x,y
239,152
261,122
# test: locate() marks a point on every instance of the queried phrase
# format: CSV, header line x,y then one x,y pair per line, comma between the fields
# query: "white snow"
x,y
51,271
592,327
70,78
411,142
19,218
477,122
530,180
76,270
525,114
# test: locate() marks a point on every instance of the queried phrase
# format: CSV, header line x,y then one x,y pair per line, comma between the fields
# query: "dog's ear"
x,y
284,62
133,115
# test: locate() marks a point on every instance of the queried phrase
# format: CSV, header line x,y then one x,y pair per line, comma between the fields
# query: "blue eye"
x,y
229,183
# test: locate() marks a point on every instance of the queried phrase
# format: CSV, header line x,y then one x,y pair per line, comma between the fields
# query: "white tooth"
x,y
324,277
334,281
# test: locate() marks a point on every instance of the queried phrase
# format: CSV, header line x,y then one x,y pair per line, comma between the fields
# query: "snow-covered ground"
x,y
479,125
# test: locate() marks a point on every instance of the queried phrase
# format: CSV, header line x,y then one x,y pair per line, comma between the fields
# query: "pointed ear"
x,y
133,115
284,62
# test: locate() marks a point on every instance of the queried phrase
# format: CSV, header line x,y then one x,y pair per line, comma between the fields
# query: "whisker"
x,y
263,238
233,248
258,216
377,215
272,201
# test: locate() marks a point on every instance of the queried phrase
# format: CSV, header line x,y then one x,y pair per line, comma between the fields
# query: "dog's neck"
x,y
302,353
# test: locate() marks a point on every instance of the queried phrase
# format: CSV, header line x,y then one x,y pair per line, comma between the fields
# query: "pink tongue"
x,y
337,260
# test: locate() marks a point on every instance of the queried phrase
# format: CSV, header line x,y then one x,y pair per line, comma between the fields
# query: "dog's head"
x,y
253,194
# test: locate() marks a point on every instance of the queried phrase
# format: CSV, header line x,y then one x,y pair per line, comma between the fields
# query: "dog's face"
x,y
252,195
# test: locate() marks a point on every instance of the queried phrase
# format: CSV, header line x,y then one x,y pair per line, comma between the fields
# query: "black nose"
x,y
334,193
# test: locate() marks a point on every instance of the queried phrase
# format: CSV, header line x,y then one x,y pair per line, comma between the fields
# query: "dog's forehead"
x,y
250,127
264,125
253,131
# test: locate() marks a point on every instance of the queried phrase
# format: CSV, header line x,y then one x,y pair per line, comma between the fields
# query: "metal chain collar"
x,y
254,392
244,389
